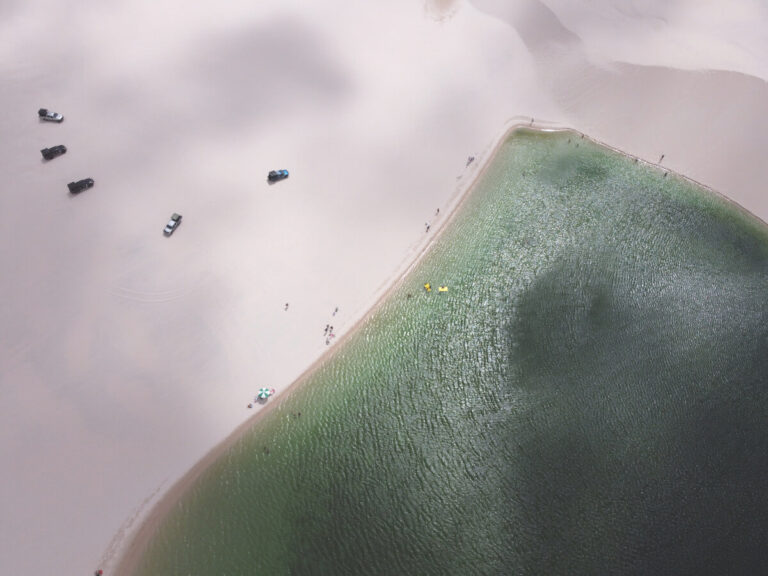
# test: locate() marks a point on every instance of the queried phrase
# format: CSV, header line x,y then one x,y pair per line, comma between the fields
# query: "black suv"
x,y
80,185
53,151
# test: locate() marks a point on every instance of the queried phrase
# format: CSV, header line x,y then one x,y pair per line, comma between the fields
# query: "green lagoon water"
x,y
590,397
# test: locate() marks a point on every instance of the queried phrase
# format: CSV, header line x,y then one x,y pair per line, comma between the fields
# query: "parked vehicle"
x,y
277,175
53,151
80,185
49,115
173,223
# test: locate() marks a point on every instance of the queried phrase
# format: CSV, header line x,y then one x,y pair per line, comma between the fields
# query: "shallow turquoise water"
x,y
590,397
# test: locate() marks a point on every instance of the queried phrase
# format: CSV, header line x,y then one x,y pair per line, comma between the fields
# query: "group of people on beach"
x,y
328,332
329,335
427,225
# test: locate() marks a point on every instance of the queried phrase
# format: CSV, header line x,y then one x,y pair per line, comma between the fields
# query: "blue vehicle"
x,y
277,175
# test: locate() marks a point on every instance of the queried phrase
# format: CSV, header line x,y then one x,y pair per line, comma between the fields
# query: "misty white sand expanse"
x,y
125,356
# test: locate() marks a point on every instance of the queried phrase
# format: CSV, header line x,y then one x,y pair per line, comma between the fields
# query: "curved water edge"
x,y
546,269
136,533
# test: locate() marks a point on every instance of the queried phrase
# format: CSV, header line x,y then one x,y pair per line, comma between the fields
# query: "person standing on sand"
x,y
286,306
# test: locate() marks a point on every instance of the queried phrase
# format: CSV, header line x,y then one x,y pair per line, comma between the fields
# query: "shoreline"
x,y
132,543
741,208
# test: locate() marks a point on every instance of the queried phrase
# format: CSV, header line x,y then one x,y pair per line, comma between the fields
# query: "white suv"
x,y
173,223
46,114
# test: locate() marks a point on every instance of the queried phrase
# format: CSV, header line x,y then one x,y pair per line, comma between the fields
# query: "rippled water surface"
x,y
590,397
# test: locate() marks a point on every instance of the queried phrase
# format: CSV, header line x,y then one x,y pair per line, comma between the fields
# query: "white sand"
x,y
126,356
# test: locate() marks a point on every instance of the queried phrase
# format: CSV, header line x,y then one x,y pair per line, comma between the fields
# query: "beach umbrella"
x,y
263,393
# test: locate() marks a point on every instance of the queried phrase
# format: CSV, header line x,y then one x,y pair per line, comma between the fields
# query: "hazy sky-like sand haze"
x,y
124,355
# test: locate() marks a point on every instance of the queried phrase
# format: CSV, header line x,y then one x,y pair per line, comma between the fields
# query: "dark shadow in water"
x,y
647,454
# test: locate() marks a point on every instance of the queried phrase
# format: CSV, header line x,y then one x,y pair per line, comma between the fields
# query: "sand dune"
x,y
125,356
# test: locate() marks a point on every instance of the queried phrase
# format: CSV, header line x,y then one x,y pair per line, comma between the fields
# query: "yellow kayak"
x,y
443,289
